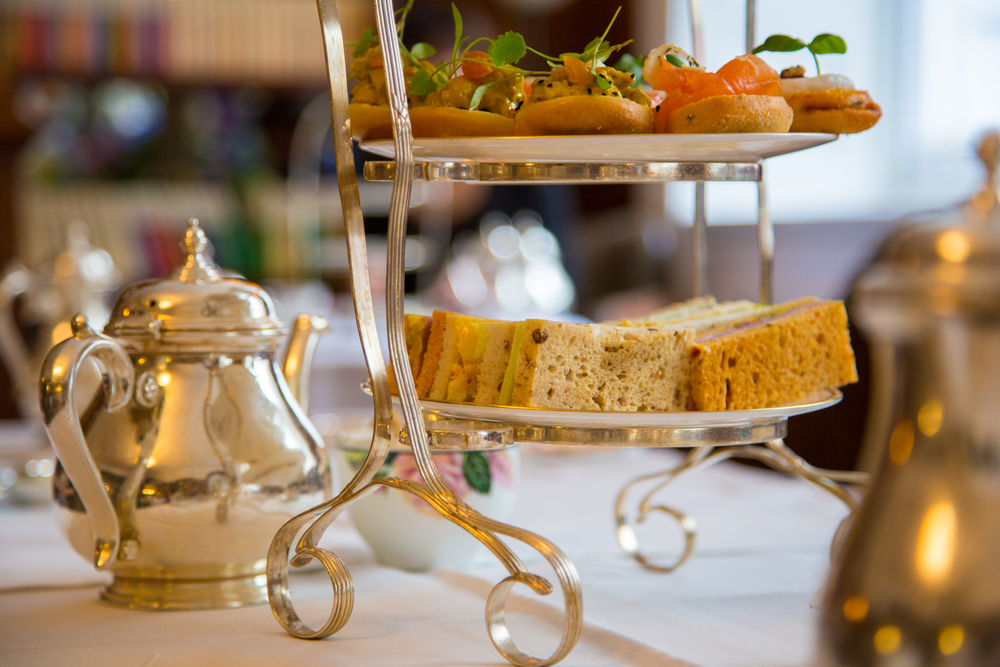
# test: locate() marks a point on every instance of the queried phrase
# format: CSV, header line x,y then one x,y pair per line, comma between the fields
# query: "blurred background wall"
x,y
134,115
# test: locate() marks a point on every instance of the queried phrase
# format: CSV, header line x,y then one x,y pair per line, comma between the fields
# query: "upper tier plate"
x,y
608,148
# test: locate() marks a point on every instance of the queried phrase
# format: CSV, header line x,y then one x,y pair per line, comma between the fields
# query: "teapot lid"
x,y
196,309
944,264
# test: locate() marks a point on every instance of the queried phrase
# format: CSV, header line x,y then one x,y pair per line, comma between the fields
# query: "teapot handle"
x,y
62,423
13,349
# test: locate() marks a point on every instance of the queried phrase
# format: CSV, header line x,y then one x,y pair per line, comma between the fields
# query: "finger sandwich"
x,y
696,355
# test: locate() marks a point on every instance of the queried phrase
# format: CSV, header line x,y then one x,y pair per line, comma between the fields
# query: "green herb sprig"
x,y
821,44
594,54
505,52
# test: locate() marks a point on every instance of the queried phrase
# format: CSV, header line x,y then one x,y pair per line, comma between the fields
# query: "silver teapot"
x,y
917,583
78,280
176,476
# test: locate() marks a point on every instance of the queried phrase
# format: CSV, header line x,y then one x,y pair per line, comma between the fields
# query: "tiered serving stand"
x,y
712,437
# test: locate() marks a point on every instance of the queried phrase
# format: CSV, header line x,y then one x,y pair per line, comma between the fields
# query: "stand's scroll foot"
x,y
453,509
774,453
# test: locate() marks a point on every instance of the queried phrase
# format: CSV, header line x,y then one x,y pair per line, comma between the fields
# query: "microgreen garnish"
x,y
504,52
368,40
823,43
425,83
674,60
594,54
422,50
477,96
507,49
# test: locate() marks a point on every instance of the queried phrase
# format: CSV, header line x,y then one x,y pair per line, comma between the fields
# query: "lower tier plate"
x,y
599,420
635,429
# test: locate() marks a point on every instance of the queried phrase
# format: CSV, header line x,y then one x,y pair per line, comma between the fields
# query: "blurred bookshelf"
x,y
134,115
202,42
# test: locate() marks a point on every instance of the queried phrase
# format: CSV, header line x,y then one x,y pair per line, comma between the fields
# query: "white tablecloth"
x,y
743,599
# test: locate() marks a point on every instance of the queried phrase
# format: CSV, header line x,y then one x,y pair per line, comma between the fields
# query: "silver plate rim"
x,y
749,147
579,419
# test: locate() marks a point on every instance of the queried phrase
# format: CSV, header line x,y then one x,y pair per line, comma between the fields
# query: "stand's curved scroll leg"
x,y
434,491
627,538
775,454
456,511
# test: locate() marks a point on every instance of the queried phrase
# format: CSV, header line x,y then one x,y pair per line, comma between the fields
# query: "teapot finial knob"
x,y
199,267
195,240
79,323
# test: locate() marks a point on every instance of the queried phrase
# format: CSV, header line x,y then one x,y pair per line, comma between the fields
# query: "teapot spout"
x,y
298,359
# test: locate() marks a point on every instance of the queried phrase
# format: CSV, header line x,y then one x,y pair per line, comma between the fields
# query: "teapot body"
x,y
917,579
916,582
202,466
176,473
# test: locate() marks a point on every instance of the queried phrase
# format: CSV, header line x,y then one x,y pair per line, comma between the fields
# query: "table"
x,y
742,601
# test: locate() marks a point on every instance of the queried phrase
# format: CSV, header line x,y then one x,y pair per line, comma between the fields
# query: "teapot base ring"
x,y
185,594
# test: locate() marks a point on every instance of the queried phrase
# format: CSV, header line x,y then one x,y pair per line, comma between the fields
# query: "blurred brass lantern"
x,y
178,473
918,579
79,280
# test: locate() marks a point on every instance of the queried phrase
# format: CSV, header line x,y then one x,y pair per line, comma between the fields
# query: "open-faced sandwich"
x,y
581,95
825,102
369,107
744,95
473,94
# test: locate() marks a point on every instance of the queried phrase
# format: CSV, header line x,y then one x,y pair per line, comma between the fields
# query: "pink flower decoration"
x,y
500,470
449,467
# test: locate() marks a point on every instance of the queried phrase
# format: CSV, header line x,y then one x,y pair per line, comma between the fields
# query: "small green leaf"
x,y
781,44
828,43
362,45
507,49
602,83
457,15
477,96
674,60
422,50
606,50
423,83
476,470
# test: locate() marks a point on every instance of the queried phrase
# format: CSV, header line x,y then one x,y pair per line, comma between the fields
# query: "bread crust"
x,y
370,122
726,114
580,114
773,361
837,111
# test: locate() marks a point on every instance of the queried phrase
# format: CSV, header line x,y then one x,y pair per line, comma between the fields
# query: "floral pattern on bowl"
x,y
404,531
463,472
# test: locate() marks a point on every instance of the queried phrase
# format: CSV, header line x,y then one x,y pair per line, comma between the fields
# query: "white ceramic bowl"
x,y
403,530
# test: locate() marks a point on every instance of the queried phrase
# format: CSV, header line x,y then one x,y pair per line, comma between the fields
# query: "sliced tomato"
x,y
749,75
478,67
